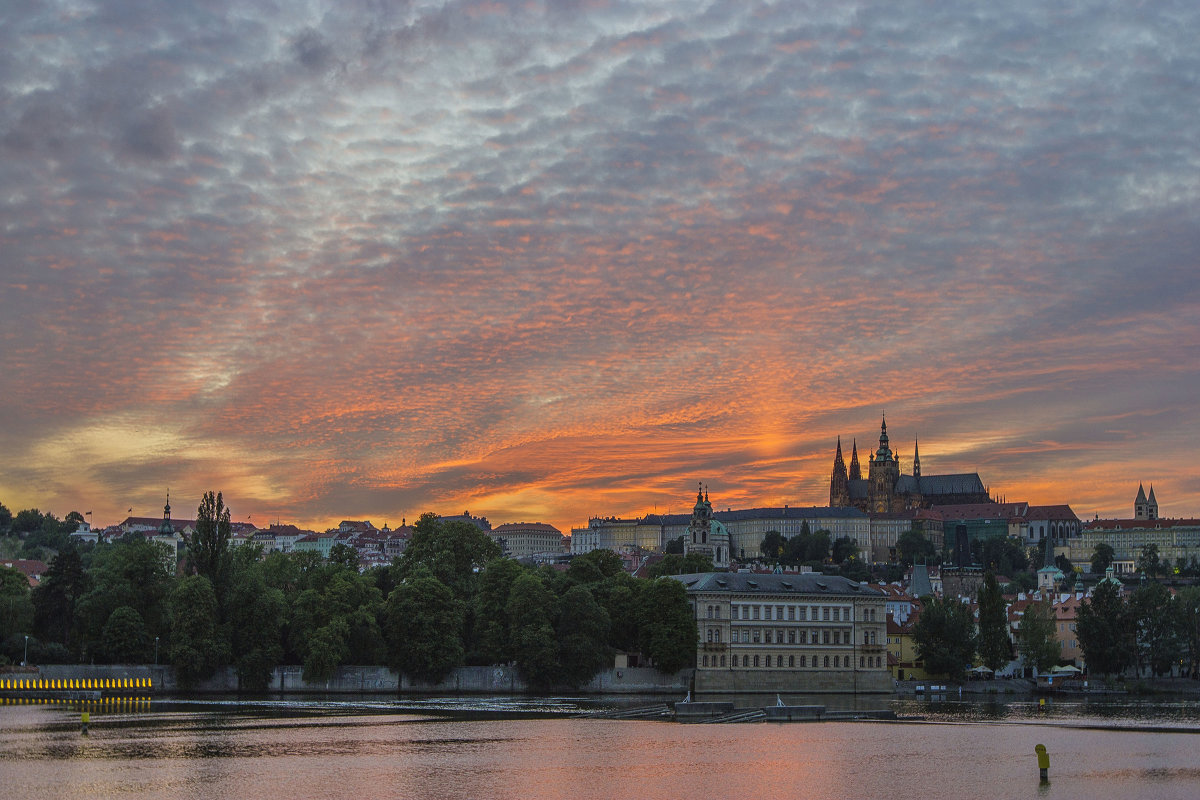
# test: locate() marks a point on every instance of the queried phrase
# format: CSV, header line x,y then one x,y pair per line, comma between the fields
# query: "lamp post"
x,y
156,651
25,660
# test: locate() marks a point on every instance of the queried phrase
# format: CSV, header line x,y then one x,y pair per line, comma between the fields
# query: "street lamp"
x,y
156,651
25,660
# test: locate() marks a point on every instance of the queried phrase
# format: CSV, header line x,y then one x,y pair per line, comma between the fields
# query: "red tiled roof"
x,y
1138,524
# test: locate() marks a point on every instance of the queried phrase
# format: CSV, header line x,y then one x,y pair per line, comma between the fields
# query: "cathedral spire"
x,y
855,469
916,458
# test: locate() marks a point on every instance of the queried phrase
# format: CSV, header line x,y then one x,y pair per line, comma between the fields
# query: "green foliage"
x,y
424,624
16,604
256,618
1102,557
125,638
945,638
491,643
772,546
208,548
1188,603
1158,627
1001,554
912,547
1036,641
452,551
55,598
994,645
1148,562
532,610
806,547
343,555
197,646
326,650
582,637
595,566
133,572
681,565
667,630
674,546
844,548
620,597
1105,630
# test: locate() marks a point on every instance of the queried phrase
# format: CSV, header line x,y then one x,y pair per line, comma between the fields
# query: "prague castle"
x,y
885,490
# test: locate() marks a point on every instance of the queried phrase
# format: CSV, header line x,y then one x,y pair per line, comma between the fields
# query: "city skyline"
x,y
548,261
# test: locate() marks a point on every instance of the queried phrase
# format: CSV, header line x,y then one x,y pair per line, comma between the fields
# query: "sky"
x,y
543,261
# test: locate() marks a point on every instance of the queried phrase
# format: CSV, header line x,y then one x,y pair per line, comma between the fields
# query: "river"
x,y
528,750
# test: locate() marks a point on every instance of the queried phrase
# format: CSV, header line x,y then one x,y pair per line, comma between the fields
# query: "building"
x,y
887,490
790,633
707,535
1177,540
527,539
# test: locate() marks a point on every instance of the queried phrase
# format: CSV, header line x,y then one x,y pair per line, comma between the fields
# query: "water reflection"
x,y
333,750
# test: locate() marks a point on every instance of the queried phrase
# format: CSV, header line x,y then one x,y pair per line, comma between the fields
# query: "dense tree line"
x,y
1151,631
450,600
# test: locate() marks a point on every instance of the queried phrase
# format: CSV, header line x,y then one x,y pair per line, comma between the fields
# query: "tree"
x,y
913,547
1188,602
125,639
595,566
995,648
208,548
16,606
772,546
1105,630
1102,557
1158,627
945,638
1000,554
491,643
1036,641
55,598
1147,562
197,646
256,617
674,545
582,636
532,610
681,565
453,551
844,548
424,625
667,630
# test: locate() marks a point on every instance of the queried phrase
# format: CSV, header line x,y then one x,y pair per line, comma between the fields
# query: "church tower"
x,y
882,474
1151,505
855,470
706,534
166,528
917,460
1140,509
839,489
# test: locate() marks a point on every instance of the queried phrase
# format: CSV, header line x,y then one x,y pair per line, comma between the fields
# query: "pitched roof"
x,y
800,583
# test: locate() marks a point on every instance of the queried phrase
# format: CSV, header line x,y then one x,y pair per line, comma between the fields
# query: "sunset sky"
x,y
550,260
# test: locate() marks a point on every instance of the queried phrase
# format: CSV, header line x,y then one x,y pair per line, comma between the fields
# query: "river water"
x,y
528,750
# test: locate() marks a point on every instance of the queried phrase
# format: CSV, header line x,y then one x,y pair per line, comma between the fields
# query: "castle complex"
x,y
886,491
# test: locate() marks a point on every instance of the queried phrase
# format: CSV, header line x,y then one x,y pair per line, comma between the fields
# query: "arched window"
x,y
791,661
705,661
756,661
779,661
862,661
722,661
826,661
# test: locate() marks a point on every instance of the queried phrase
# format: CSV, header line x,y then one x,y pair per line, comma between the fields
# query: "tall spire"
x,y
855,469
916,458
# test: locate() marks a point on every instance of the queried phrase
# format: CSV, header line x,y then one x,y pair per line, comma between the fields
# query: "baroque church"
x,y
886,491
706,534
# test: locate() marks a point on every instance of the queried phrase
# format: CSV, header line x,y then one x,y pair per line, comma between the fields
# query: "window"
x,y
804,661
862,662
814,614
792,661
745,636
705,661
709,634
733,612
767,636
826,661
717,612
756,661
722,661
837,615
779,637
825,614
814,639
878,660
755,612
779,613
866,637
791,613
791,637
745,661
757,634
778,661
717,635
825,637
710,612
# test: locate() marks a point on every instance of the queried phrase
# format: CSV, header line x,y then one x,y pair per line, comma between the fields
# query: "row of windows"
x,y
767,636
818,662
794,613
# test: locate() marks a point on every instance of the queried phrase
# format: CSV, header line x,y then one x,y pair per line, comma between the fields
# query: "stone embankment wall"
x,y
377,680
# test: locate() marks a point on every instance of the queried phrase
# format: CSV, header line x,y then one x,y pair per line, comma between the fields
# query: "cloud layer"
x,y
550,260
